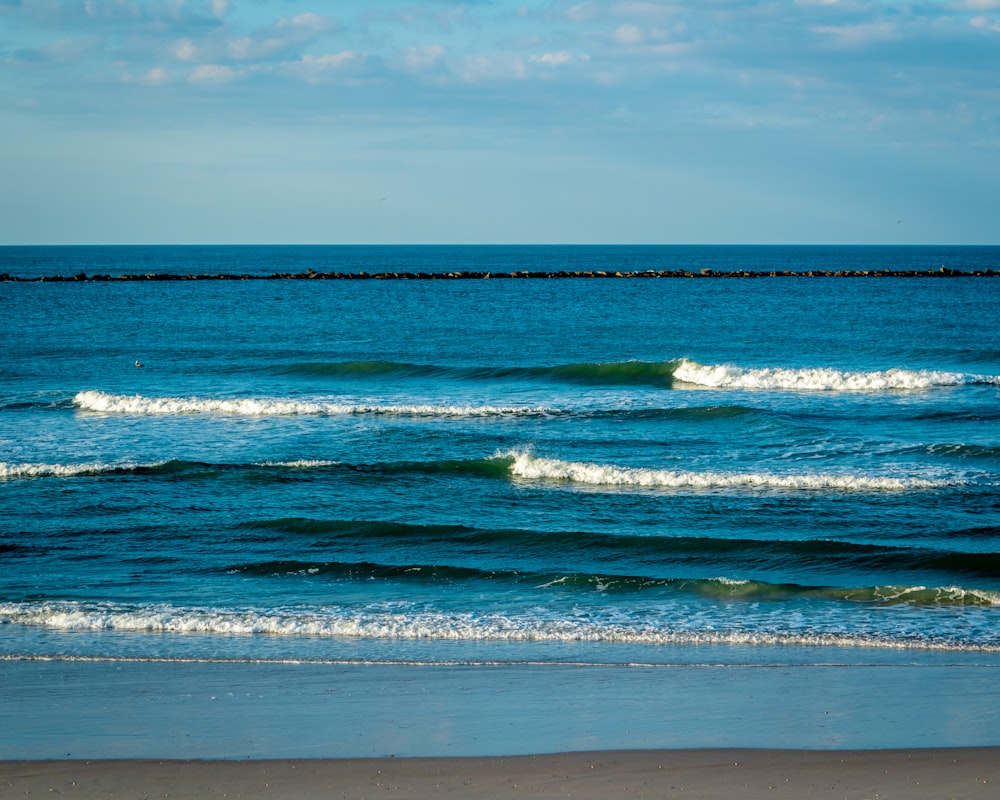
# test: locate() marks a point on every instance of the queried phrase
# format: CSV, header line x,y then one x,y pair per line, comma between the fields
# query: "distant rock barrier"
x,y
942,272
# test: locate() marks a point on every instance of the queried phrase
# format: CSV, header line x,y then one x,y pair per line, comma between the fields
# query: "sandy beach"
x,y
967,773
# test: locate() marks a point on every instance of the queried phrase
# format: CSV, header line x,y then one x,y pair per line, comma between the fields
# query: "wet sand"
x,y
82,729
968,773
54,710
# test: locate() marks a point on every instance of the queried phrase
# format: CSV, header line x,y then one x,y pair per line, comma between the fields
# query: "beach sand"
x,y
935,774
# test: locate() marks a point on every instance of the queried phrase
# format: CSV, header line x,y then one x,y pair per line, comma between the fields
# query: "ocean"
x,y
645,472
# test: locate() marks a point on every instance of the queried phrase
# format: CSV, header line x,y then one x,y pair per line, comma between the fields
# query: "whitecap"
x,y
724,376
259,407
340,622
10,470
529,467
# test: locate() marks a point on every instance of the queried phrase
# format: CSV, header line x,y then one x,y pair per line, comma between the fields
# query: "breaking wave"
x,y
529,467
377,623
517,465
663,374
11,471
822,379
259,407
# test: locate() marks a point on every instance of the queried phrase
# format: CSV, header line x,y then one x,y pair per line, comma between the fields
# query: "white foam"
x,y
260,407
302,463
38,470
829,380
8,470
338,622
529,467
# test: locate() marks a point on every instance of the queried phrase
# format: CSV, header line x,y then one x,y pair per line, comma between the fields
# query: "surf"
x,y
139,405
525,466
412,624
822,379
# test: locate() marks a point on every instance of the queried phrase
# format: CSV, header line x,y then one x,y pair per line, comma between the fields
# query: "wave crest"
x,y
434,625
258,407
529,467
724,376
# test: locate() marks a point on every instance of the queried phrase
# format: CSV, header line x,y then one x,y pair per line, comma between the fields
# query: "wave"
x,y
167,467
971,452
741,554
357,369
615,373
257,407
484,467
528,467
822,379
661,373
10,470
103,402
378,623
664,374
673,552
516,465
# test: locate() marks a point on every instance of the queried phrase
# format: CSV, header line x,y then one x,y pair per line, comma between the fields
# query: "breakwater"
x,y
941,272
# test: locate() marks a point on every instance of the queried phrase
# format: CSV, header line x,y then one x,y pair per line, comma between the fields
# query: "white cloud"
x,y
212,74
629,34
560,58
155,77
281,39
474,69
185,50
346,65
553,59
985,23
308,21
330,61
859,35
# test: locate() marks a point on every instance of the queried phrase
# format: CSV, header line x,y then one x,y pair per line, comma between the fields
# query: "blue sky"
x,y
719,121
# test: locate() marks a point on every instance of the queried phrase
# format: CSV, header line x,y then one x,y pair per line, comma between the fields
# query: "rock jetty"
x,y
942,272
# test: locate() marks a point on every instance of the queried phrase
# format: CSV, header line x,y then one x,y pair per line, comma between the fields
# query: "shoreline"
x,y
707,774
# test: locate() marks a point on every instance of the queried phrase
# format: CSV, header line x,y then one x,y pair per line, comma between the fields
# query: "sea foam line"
x,y
724,376
258,407
9,470
529,467
344,623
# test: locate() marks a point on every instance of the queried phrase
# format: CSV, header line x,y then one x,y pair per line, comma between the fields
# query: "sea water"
x,y
615,472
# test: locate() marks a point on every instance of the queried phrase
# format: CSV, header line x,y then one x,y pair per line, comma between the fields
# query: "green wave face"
x,y
622,373
356,369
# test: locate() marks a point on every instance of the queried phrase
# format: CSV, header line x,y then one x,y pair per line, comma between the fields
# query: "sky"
x,y
484,121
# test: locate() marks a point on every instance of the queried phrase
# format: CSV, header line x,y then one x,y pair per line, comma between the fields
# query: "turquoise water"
x,y
613,472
